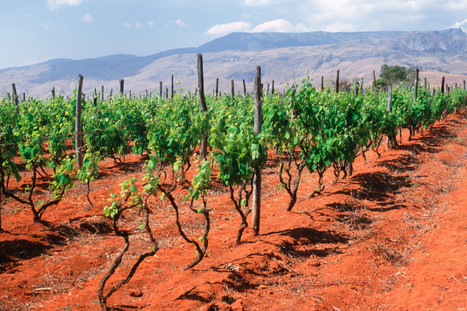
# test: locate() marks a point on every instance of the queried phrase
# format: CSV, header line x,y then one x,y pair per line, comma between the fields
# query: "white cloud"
x,y
150,23
136,25
462,25
180,23
87,18
53,4
279,25
258,2
222,29
360,15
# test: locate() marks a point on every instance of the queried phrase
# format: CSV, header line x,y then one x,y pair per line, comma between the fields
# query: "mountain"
x,y
284,57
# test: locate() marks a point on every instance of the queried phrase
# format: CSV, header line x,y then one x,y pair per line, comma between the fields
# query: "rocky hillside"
x,y
284,57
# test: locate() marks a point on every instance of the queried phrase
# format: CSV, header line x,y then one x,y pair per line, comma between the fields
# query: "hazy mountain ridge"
x,y
283,56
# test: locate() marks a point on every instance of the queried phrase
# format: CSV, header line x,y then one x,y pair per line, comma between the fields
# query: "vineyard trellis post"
x,y
202,101
217,87
322,84
232,88
160,89
15,96
389,97
272,87
337,81
244,87
122,91
53,93
172,87
256,206
415,93
442,85
78,130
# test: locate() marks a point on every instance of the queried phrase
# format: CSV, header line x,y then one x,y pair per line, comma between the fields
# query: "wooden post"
x,y
122,91
172,87
415,92
355,88
95,98
389,97
232,88
110,95
442,85
15,97
244,87
14,93
102,94
464,86
337,81
272,87
217,88
256,206
425,84
53,92
202,106
78,130
374,79
160,89
322,84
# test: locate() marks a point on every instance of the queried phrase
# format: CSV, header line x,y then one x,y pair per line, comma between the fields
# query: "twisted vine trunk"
x,y
125,235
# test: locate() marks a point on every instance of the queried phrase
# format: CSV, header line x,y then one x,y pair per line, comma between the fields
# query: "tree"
x,y
395,75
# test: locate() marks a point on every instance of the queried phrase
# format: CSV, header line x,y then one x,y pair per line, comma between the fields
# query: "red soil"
x,y
391,237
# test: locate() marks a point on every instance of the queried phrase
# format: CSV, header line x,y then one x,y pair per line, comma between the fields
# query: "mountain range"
x,y
284,58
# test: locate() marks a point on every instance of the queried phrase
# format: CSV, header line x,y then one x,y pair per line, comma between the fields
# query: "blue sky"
x,y
34,31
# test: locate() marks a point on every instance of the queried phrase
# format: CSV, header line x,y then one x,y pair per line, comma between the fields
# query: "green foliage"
x,y
395,74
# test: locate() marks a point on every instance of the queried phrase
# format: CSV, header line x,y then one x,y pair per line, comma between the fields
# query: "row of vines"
x,y
303,128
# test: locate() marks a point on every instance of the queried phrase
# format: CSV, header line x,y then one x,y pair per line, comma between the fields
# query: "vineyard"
x,y
167,187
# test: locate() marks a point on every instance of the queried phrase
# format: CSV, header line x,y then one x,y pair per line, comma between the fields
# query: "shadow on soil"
x,y
121,168
305,240
11,252
378,187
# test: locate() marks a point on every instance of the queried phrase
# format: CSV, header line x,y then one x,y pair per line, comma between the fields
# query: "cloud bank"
x,y
277,25
54,4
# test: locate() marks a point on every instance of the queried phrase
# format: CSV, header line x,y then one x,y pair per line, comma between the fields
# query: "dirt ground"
x,y
391,237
